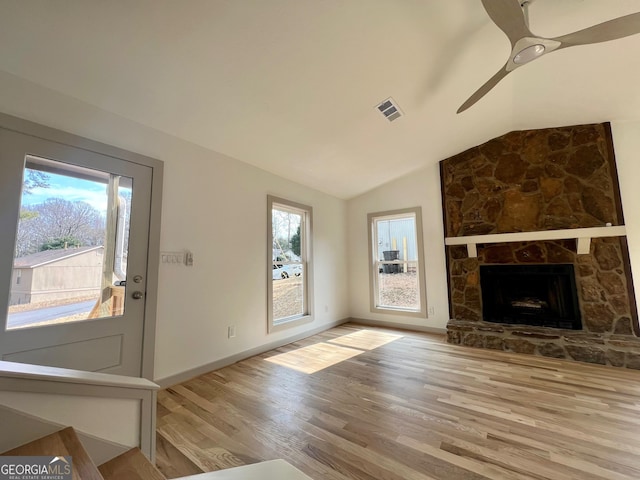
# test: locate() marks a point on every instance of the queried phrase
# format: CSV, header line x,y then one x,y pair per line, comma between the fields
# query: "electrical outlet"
x,y
432,310
326,309
231,331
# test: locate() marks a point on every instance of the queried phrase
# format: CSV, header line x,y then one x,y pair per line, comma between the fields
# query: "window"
x,y
289,263
72,243
396,262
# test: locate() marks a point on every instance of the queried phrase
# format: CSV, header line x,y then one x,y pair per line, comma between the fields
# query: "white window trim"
x,y
307,258
373,269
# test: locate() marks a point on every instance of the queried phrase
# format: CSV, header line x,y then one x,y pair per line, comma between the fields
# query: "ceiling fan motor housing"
x,y
528,49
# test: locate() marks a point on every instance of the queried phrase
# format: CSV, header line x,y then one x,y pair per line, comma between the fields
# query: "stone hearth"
x,y
536,180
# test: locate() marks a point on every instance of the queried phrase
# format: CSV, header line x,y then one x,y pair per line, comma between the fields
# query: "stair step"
x,y
131,465
171,462
61,444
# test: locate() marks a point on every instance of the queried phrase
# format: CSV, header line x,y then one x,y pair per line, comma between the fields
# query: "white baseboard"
x,y
400,326
224,362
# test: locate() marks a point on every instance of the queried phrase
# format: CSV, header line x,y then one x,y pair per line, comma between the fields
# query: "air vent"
x,y
389,108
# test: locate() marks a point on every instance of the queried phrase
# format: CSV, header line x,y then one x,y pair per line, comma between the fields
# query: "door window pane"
x,y
71,245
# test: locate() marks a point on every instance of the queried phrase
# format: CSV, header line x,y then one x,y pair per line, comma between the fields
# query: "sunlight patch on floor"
x,y
314,358
317,357
366,339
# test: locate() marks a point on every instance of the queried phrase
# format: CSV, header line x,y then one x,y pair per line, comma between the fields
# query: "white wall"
x,y
419,189
626,144
216,207
219,211
118,421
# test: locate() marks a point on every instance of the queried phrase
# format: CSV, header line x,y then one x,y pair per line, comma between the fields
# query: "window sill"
x,y
283,324
399,311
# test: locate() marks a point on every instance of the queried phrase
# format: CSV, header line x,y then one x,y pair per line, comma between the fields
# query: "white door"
x,y
74,236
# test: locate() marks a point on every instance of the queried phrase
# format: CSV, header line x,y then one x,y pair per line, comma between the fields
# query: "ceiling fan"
x,y
510,17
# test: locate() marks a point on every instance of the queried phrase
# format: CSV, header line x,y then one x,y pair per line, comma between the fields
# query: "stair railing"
x,y
21,377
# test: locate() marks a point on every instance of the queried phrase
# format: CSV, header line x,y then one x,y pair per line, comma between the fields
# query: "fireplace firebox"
x,y
537,295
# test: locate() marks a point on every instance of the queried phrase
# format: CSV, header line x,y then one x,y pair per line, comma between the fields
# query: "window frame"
x,y
306,260
372,218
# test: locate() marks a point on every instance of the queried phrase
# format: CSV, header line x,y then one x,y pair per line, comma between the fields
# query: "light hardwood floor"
x,y
413,407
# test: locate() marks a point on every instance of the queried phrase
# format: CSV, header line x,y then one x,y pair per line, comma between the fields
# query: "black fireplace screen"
x,y
539,295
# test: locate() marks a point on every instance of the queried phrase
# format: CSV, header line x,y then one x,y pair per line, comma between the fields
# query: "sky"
x,y
69,188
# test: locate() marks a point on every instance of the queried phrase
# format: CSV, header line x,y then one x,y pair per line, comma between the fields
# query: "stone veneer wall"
x,y
542,180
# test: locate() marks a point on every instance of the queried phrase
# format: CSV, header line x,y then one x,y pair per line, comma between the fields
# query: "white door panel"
x,y
109,338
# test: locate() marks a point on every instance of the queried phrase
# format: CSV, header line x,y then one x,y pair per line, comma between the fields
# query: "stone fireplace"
x,y
540,296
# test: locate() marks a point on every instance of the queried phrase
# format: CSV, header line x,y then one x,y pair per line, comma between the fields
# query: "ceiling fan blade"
x,y
509,17
484,89
603,32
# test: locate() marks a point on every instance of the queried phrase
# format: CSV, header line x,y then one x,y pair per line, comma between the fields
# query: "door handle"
x,y
137,295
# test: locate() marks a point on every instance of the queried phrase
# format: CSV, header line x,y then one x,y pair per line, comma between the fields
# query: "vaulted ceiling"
x,y
291,86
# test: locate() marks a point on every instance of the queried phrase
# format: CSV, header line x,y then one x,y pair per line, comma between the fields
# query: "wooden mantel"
x,y
582,235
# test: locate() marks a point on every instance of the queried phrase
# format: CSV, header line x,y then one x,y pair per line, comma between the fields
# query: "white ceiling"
x,y
291,86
